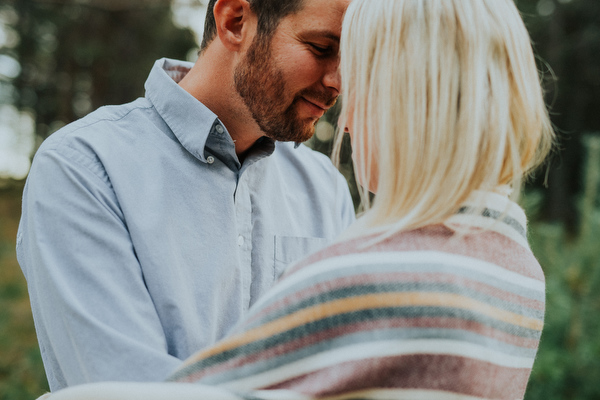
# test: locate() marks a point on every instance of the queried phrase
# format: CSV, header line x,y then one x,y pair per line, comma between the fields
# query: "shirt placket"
x,y
243,210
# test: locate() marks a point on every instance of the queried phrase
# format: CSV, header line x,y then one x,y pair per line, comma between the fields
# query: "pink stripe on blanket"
x,y
432,372
488,246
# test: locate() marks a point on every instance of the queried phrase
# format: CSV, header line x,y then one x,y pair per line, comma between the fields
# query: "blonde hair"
x,y
444,98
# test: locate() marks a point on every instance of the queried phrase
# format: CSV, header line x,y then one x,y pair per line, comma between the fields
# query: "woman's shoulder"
x,y
487,259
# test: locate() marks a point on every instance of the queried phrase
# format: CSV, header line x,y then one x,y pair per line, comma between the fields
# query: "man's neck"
x,y
211,82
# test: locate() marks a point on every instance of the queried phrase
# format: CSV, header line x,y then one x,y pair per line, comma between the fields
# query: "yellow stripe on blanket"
x,y
370,301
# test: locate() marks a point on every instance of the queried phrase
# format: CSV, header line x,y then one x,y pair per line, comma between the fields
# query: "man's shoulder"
x,y
104,125
107,135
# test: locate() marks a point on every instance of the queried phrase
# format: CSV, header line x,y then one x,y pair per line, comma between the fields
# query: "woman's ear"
x,y
232,18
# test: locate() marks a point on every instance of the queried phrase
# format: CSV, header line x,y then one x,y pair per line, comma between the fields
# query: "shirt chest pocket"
x,y
289,249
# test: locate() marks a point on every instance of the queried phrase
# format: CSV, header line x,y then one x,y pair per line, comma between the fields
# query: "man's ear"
x,y
232,18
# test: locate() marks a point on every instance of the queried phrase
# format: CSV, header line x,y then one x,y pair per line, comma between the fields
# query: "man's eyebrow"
x,y
322,33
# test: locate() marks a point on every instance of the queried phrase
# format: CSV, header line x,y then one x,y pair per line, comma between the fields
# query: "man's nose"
x,y
332,78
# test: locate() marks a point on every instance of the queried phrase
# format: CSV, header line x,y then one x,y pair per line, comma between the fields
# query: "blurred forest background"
x,y
60,59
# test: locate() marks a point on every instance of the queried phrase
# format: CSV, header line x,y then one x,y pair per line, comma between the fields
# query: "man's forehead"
x,y
320,17
317,8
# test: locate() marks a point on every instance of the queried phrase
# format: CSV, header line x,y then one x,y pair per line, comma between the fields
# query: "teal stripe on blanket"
x,y
362,316
495,214
392,267
398,287
358,270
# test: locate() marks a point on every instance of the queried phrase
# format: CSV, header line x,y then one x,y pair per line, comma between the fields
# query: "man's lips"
x,y
317,104
316,109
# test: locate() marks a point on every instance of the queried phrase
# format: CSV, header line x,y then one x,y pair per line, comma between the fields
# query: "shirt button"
x,y
210,159
240,240
219,129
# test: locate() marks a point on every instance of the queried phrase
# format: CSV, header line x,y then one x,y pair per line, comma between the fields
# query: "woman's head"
x,y
442,97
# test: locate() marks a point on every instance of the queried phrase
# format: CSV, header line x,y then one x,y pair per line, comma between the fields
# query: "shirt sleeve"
x,y
94,317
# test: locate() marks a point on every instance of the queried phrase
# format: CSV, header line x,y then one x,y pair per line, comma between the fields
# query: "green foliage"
x,y
21,371
568,362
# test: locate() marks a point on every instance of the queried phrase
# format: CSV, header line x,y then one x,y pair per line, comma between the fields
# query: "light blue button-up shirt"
x,y
143,238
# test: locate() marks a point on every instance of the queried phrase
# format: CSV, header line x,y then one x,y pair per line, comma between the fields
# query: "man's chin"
x,y
296,137
307,133
300,130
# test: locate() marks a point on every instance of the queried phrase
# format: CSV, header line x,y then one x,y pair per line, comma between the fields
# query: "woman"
x,y
434,292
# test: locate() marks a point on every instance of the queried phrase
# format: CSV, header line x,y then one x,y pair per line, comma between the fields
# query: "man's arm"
x,y
94,317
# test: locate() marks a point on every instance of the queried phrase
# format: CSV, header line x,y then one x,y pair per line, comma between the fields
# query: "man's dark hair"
x,y
269,13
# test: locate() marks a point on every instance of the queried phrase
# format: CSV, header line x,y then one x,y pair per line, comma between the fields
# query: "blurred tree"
x,y
78,55
566,36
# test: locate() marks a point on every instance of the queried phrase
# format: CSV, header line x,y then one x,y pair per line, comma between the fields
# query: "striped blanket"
x,y
422,315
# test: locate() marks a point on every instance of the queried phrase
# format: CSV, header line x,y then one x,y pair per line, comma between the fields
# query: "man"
x,y
148,229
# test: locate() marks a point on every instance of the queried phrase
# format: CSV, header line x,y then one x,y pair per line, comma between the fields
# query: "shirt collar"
x,y
190,120
193,124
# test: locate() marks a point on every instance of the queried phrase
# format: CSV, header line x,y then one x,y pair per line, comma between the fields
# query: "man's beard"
x,y
262,87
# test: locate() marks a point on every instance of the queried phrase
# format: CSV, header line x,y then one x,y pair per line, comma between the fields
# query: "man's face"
x,y
291,78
